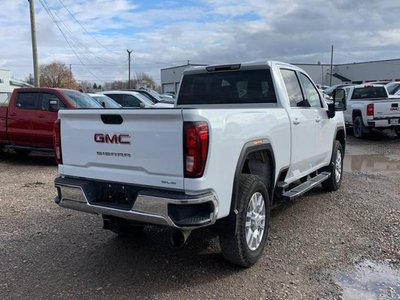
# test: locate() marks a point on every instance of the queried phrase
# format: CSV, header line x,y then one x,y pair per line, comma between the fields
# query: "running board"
x,y
305,187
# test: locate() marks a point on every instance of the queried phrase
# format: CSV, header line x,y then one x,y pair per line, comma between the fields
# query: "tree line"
x,y
58,75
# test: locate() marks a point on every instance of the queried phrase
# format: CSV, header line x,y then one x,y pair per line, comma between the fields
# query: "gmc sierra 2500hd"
x,y
369,107
240,137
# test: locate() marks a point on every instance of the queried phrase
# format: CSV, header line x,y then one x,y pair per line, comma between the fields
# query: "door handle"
x,y
41,116
13,115
318,120
296,121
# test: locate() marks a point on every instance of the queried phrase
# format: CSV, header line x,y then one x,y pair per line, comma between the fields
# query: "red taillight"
x,y
370,109
57,141
195,148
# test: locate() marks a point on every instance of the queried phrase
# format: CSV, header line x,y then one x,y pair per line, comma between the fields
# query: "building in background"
x,y
8,84
171,77
380,70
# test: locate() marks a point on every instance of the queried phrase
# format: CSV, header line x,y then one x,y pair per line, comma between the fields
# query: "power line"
x,y
47,9
84,29
72,37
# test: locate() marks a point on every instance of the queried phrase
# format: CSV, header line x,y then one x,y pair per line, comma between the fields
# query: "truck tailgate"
x,y
387,108
138,146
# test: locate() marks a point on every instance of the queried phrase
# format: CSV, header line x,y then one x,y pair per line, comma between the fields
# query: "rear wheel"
x,y
358,127
335,168
246,246
397,130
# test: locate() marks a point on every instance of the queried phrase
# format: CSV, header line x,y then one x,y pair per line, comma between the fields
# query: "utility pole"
x,y
330,79
34,45
129,68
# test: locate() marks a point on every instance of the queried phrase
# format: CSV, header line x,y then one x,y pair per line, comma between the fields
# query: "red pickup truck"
x,y
27,117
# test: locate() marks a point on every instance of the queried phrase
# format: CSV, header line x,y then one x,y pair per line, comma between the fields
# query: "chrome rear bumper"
x,y
150,206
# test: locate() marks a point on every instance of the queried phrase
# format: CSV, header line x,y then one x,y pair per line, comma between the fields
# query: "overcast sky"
x,y
95,34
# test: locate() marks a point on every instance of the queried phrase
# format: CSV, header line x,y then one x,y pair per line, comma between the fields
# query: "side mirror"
x,y
54,104
339,99
142,105
103,104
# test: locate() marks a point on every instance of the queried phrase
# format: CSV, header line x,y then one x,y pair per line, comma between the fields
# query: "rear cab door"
x,y
21,118
303,129
311,129
43,123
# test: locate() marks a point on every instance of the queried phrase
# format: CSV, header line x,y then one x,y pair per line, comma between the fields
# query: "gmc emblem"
x,y
112,138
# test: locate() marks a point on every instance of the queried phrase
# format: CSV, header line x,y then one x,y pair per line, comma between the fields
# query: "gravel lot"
x,y
319,246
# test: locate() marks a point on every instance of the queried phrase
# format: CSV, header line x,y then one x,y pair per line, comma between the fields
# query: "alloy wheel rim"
x,y
255,221
338,166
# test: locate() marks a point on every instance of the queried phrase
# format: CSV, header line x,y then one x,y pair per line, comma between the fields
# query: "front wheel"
x,y
335,168
246,246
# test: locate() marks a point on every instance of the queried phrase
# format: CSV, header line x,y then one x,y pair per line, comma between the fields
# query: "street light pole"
x,y
34,45
129,68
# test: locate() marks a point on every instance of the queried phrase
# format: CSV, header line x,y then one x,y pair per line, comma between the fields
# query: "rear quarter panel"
x,y
230,130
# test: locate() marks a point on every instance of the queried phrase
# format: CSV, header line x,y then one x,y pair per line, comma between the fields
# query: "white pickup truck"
x,y
370,107
239,138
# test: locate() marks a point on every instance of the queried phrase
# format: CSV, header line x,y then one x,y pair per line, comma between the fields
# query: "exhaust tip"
x,y
178,238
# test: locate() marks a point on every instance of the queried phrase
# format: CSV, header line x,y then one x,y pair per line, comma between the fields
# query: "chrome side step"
x,y
305,187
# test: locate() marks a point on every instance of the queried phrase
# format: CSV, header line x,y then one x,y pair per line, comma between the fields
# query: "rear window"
x,y
230,87
369,92
4,98
80,100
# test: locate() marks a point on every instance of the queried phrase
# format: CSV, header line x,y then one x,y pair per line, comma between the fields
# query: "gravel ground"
x,y
314,244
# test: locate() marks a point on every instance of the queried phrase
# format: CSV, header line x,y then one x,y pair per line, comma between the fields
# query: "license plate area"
x,y
114,195
394,121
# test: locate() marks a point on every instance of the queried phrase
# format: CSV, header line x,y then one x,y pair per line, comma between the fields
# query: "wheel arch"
x,y
340,136
257,158
355,113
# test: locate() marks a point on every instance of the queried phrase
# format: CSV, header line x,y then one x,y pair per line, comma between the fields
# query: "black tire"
x,y
358,127
234,247
335,168
397,131
124,228
22,152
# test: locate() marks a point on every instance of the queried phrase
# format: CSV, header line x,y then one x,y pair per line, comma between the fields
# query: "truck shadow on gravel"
x,y
375,135
148,265
33,159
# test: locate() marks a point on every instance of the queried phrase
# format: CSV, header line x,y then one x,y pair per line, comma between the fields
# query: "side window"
x,y
117,98
28,100
131,101
293,88
347,91
312,95
44,101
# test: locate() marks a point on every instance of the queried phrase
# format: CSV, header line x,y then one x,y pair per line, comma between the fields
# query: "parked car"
x,y
328,92
133,99
105,101
156,97
27,119
369,107
234,144
393,87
